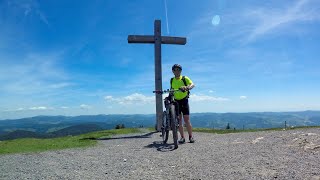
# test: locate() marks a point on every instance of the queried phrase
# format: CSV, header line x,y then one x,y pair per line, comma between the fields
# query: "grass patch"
x,y
27,145
151,129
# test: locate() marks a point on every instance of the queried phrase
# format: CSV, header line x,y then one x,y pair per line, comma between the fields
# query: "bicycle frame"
x,y
170,101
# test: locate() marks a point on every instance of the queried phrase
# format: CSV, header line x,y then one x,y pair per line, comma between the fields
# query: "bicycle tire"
x,y
165,128
174,128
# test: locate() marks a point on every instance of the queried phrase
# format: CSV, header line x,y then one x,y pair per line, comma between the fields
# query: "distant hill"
x,y
44,126
256,119
76,130
72,130
20,134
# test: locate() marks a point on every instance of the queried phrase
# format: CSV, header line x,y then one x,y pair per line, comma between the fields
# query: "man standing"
x,y
184,84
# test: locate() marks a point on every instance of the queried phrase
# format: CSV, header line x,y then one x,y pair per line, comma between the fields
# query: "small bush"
x,y
120,126
228,126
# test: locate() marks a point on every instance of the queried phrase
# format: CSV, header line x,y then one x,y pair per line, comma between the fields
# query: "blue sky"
x,y
73,58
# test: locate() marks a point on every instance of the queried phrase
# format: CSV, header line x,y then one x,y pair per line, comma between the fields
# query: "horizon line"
x,y
155,114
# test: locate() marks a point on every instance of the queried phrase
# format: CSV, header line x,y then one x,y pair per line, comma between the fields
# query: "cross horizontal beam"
x,y
151,39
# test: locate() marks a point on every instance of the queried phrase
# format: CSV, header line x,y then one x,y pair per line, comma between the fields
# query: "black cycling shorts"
x,y
183,106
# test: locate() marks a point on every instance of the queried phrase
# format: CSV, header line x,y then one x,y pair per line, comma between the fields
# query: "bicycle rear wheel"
x,y
174,128
165,127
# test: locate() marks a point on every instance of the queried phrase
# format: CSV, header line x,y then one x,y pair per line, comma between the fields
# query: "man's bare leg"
x,y
188,124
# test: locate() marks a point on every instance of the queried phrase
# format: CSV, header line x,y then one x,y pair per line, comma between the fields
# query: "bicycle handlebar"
x,y
166,91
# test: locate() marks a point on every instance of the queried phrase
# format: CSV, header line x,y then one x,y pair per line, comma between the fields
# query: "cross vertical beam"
x,y
158,71
157,40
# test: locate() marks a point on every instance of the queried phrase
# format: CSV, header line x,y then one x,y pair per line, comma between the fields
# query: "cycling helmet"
x,y
176,66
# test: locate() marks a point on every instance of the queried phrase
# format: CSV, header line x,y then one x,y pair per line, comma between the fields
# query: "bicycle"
x,y
169,117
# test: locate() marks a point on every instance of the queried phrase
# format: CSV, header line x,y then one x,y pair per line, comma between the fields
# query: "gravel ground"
x,y
292,154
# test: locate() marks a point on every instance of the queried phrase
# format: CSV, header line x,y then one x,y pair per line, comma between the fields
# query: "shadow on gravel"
x,y
148,135
161,147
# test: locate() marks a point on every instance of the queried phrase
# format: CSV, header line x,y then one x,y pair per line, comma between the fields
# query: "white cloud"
x,y
124,62
34,73
271,19
85,106
35,108
59,85
43,17
28,7
142,99
135,98
19,109
38,108
109,98
248,23
198,98
243,97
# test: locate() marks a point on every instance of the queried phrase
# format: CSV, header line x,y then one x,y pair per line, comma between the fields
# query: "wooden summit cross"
x,y
157,40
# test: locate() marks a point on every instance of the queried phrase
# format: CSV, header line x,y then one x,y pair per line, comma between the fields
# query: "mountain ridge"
x,y
50,124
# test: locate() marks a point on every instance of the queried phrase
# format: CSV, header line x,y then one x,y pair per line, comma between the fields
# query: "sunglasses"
x,y
176,69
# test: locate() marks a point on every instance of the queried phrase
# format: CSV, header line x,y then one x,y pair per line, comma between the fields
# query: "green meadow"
x,y
30,145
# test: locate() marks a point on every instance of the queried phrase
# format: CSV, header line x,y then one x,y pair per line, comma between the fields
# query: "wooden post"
x,y
157,40
158,71
285,124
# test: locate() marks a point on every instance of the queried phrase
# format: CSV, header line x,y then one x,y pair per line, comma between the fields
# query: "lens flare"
x,y
215,20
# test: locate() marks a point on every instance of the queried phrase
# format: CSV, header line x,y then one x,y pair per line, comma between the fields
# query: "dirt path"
x,y
293,154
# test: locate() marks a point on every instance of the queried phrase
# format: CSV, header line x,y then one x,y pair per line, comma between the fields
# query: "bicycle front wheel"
x,y
174,128
165,127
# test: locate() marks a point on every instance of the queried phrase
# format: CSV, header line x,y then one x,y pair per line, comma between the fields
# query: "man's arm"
x,y
190,86
187,88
